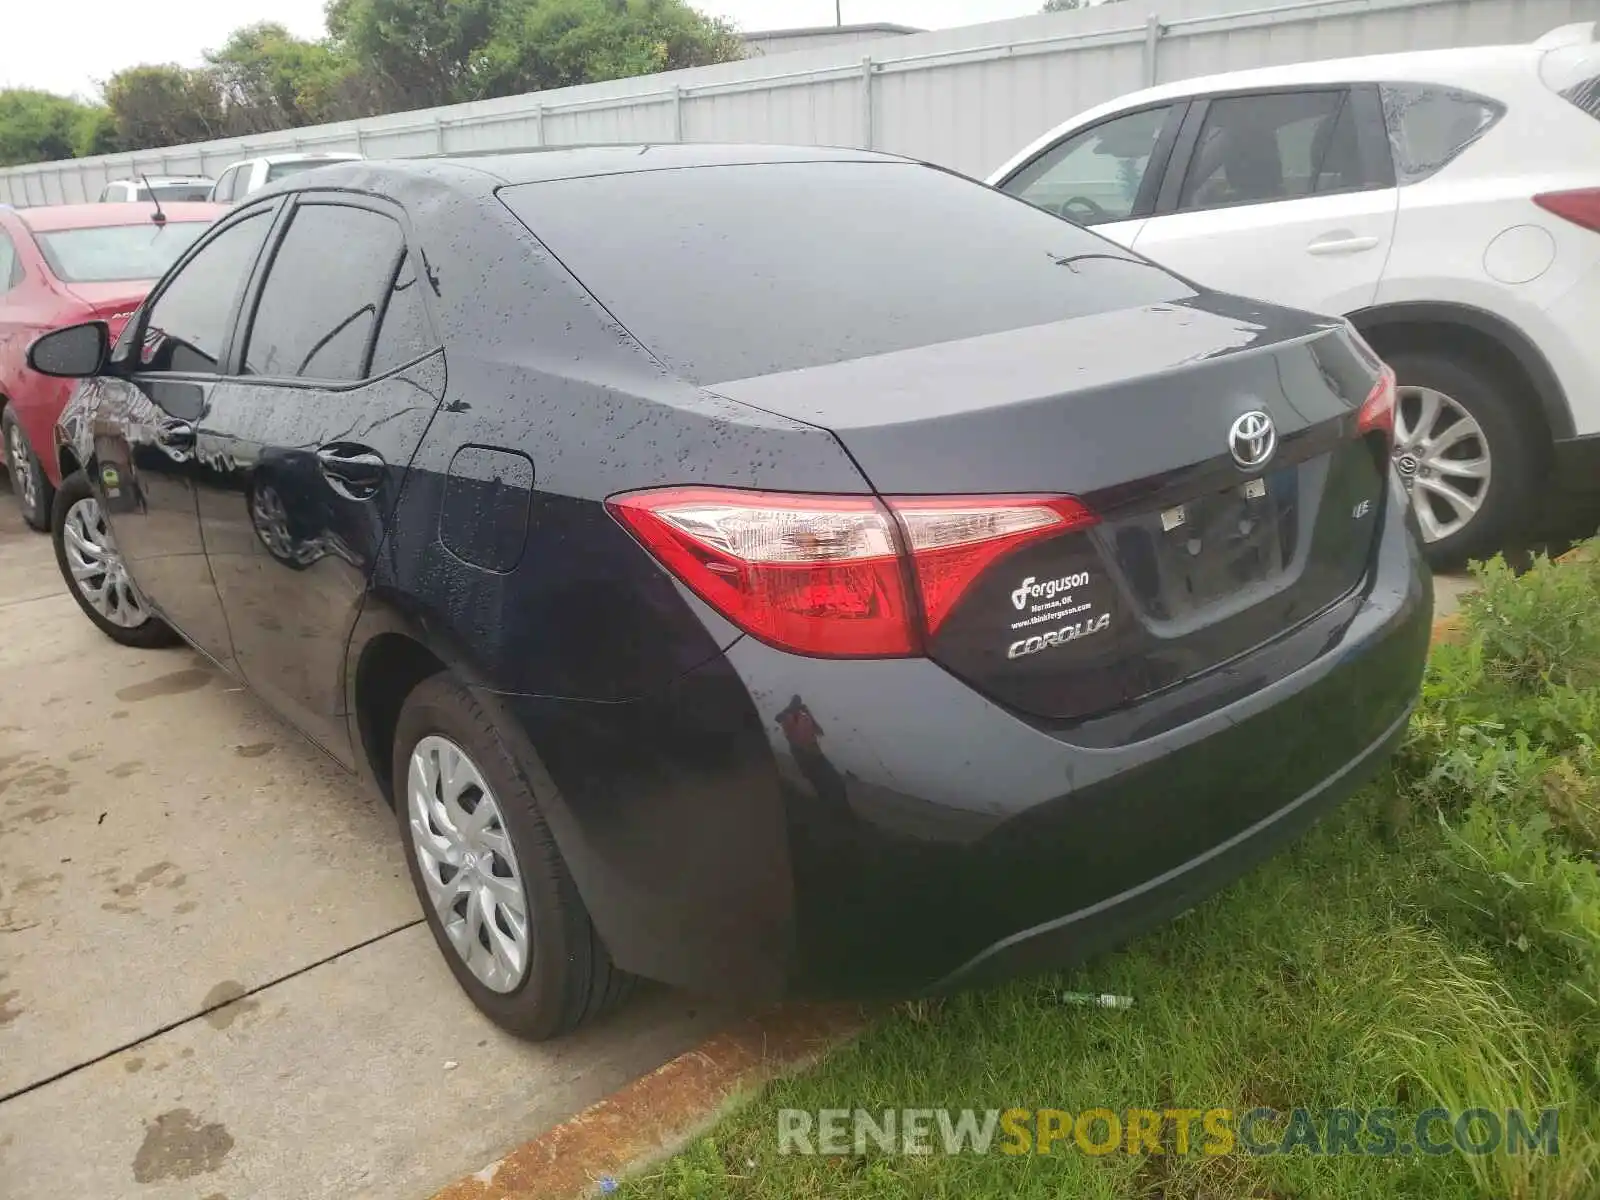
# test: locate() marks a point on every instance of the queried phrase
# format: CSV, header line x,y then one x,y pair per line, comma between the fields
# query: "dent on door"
x,y
305,484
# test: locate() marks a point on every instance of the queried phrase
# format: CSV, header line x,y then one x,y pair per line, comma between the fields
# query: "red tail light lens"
x,y
827,576
814,574
954,539
1581,207
1377,410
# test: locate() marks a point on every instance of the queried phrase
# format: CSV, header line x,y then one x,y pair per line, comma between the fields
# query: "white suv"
x,y
170,188
1447,203
251,174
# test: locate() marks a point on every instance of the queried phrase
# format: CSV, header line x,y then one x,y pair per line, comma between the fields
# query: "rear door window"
x,y
404,334
1094,175
728,272
1430,125
1281,146
316,323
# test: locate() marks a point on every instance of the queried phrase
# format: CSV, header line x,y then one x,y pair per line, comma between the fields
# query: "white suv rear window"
x,y
1573,72
1431,125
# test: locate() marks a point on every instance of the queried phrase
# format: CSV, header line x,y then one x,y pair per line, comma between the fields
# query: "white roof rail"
x,y
1578,34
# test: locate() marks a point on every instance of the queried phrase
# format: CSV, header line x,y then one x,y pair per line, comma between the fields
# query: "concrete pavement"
x,y
214,980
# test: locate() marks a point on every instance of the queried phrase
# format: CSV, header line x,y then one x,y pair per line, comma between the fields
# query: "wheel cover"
x,y
467,863
96,567
22,476
1442,456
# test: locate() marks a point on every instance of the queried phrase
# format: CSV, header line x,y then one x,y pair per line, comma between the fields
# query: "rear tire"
x,y
565,977
75,499
1509,435
29,484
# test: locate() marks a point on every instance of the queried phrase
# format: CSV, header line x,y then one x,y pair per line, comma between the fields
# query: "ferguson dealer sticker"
x,y
1052,612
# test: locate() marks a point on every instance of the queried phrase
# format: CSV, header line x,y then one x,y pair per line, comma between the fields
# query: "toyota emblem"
x,y
1252,439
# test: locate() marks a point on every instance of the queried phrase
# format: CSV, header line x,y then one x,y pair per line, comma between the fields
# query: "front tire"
x,y
502,907
29,483
94,573
1467,453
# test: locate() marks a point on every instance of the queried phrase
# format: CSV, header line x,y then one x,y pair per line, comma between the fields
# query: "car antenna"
x,y
159,217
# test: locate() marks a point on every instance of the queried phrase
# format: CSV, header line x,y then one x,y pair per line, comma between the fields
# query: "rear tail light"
x,y
954,539
1377,410
1581,207
832,576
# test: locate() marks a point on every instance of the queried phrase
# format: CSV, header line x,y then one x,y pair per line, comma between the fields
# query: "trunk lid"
x,y
1196,558
114,302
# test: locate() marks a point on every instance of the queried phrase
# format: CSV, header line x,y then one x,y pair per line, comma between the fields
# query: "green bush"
x,y
1538,628
1502,753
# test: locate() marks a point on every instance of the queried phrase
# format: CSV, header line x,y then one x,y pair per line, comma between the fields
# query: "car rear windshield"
x,y
730,272
279,170
1574,73
177,192
116,252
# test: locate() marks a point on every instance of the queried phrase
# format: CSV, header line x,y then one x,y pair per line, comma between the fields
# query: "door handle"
x,y
1339,243
353,471
176,438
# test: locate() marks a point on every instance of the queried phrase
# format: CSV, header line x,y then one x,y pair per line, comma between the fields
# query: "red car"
x,y
60,265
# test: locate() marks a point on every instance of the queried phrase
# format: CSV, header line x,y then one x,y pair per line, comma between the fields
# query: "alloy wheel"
x,y
97,570
467,863
1442,456
22,476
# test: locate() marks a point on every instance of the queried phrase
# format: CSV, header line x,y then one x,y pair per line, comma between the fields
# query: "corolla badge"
x,y
1252,439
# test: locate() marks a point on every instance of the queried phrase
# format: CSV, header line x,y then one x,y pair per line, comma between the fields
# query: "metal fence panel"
x,y
965,98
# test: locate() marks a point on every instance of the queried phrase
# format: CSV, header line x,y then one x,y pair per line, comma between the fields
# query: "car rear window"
x,y
730,272
279,170
177,192
1573,72
116,252
1430,125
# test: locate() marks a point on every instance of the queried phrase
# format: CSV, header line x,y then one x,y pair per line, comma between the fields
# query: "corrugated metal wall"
x,y
966,98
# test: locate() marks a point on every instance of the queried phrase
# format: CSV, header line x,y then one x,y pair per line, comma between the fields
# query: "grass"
x,y
1435,943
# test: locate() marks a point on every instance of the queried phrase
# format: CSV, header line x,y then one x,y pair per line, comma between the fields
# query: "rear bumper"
x,y
776,824
1110,922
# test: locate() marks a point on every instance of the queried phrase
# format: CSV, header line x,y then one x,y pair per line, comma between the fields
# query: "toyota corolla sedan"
x,y
763,570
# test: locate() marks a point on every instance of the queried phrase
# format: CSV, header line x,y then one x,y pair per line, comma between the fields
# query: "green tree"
x,y
39,127
421,53
165,106
380,56
558,43
95,132
269,79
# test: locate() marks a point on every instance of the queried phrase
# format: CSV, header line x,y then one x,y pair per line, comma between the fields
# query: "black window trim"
x,y
1372,143
245,314
273,210
1145,201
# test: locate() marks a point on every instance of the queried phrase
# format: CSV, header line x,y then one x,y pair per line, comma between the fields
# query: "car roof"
x,y
544,164
1458,65
53,218
305,156
158,180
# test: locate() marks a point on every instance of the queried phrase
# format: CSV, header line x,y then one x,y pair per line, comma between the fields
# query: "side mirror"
x,y
76,352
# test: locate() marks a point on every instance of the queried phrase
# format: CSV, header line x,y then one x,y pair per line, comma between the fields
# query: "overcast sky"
x,y
69,45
